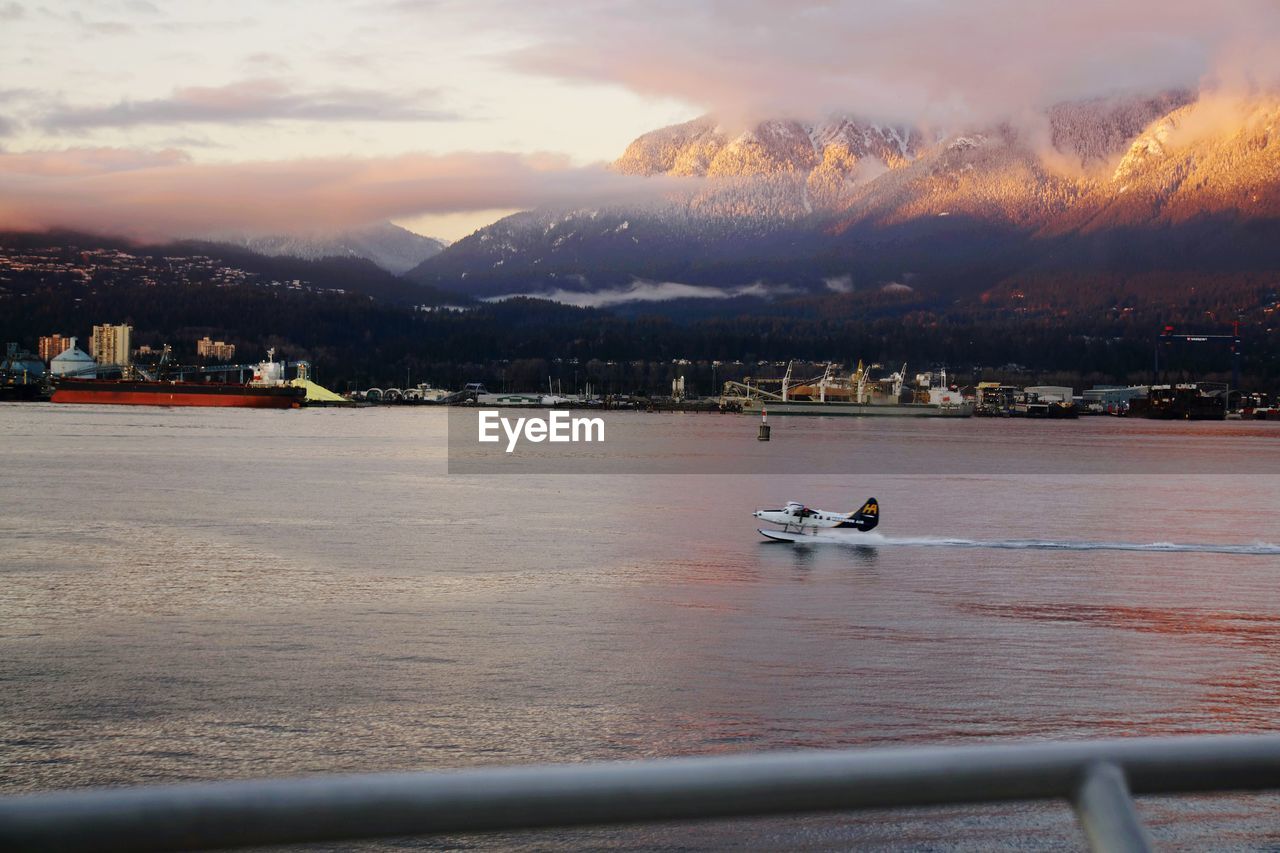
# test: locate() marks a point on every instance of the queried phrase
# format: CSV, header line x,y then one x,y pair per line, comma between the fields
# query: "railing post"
x,y
1107,812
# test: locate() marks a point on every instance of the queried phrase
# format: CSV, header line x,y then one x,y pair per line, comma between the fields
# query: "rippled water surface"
x,y
214,595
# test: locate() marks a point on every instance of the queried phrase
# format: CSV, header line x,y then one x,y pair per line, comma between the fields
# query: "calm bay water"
x,y
212,595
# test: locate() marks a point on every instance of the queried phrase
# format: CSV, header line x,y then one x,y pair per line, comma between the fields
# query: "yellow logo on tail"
x,y
869,509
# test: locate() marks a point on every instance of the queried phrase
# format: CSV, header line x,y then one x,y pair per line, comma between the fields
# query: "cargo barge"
x,y
121,392
900,410
267,390
856,394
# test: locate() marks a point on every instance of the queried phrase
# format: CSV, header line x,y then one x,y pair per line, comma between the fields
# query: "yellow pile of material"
x,y
318,395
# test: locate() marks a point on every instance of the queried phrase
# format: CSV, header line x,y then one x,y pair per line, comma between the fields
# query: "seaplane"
x,y
802,524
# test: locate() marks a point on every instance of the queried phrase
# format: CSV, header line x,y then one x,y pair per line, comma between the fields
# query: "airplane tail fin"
x,y
868,517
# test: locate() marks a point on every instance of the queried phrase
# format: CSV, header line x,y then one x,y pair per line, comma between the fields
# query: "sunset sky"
x,y
443,114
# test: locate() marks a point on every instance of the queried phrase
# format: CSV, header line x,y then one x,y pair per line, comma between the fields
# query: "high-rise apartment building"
x,y
220,350
111,344
51,346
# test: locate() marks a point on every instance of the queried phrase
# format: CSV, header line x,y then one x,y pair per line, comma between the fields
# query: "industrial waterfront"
x,y
115,372
222,594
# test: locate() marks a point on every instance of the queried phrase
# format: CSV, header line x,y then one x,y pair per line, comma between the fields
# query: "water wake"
x,y
877,539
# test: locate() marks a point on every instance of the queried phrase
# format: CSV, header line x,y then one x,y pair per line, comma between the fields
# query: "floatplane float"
x,y
801,524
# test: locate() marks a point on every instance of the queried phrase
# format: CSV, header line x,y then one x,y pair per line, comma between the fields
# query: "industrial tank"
x,y
74,362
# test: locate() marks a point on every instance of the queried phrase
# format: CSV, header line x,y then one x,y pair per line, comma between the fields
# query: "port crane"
x,y
854,387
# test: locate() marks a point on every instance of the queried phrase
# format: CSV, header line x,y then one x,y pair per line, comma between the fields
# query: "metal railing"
x,y
1096,777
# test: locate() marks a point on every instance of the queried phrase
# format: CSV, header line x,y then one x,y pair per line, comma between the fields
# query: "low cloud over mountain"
x,y
646,292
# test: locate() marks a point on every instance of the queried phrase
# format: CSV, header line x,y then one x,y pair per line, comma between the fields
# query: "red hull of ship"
x,y
176,395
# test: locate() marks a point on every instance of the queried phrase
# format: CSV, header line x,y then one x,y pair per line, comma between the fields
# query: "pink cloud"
x,y
163,194
924,61
254,100
83,162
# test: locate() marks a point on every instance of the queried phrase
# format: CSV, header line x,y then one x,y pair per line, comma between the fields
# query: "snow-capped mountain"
x,y
796,204
704,148
395,249
1218,158
776,169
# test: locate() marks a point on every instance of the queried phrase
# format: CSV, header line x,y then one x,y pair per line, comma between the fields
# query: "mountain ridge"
x,y
391,247
965,209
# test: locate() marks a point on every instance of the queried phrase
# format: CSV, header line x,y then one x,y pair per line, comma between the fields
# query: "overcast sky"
x,y
442,114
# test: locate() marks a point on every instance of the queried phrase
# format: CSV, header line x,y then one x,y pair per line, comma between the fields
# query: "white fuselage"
x,y
798,515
